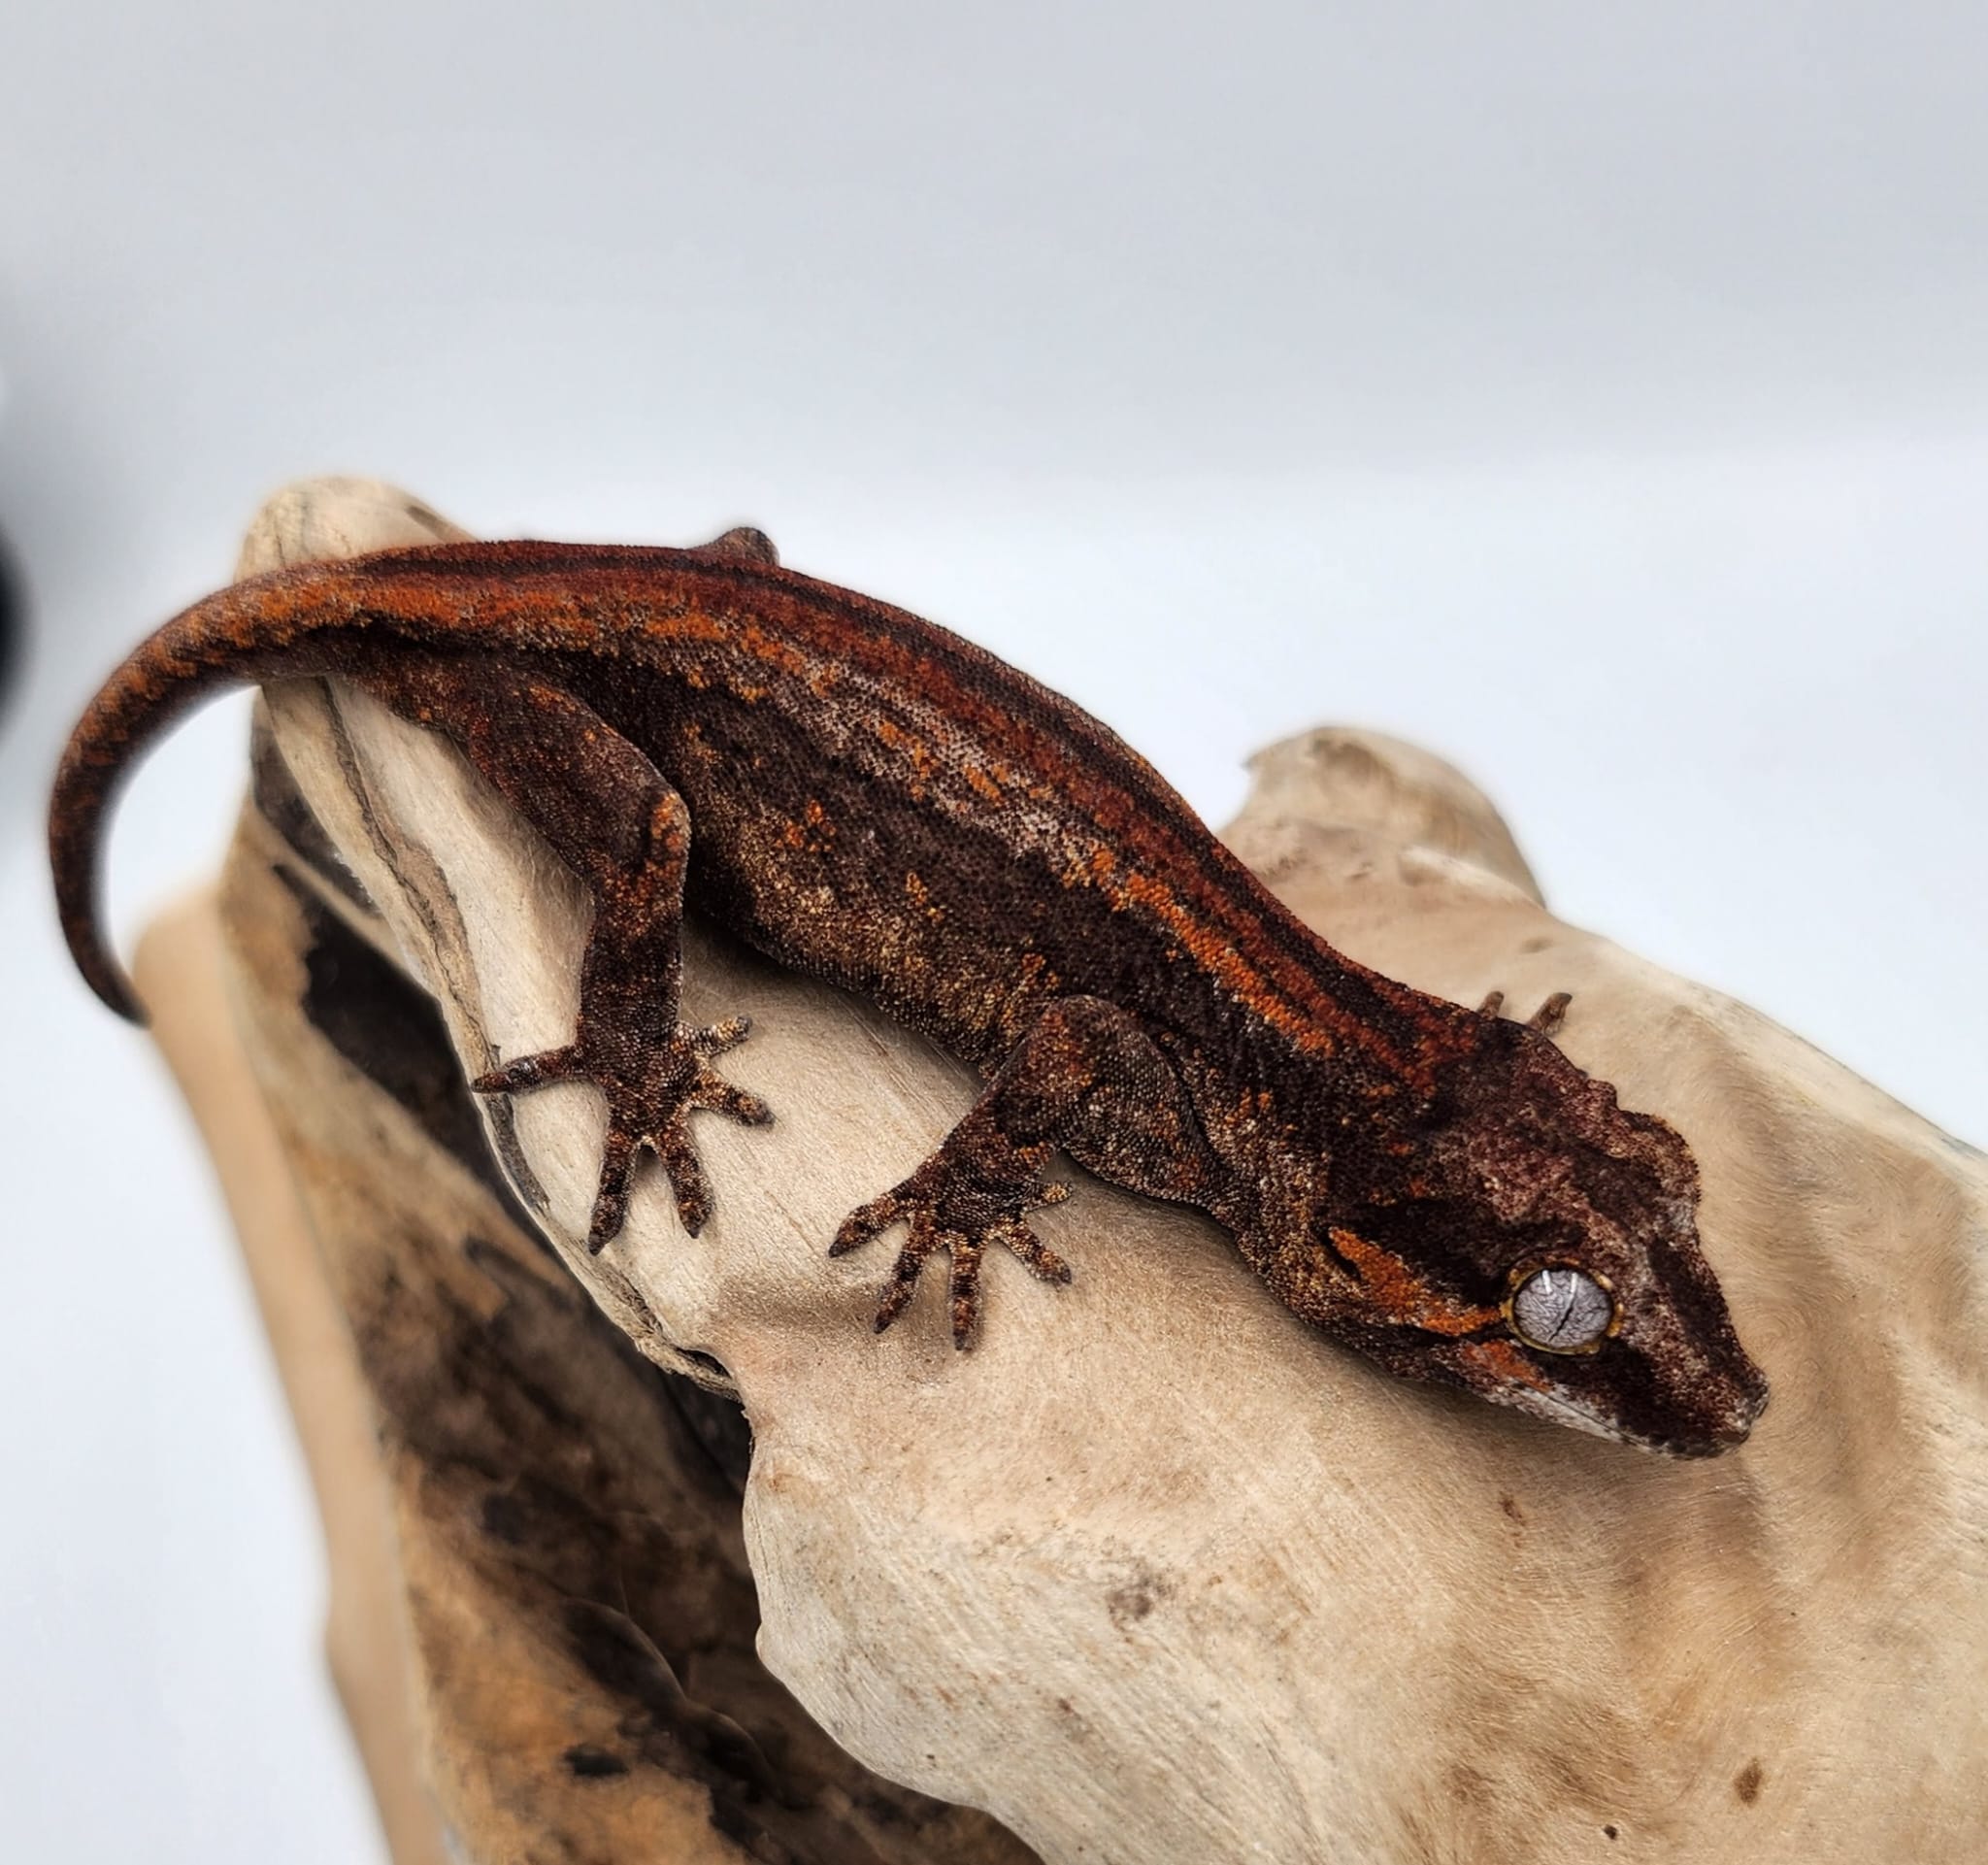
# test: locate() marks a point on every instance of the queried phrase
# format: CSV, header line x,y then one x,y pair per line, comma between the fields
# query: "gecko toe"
x,y
1550,1015
720,1096
865,1223
529,1071
611,1201
1026,1246
925,1239
964,1289
1546,1020
686,1173
716,1038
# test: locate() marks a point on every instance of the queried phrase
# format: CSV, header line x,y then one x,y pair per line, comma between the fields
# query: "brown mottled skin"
x,y
873,801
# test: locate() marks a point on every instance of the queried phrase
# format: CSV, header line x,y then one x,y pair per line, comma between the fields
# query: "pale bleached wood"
x,y
1157,1573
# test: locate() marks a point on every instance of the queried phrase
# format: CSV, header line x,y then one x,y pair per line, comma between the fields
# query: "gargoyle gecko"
x,y
869,799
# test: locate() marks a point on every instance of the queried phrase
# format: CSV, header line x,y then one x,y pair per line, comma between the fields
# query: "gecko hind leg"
x,y
610,816
1086,1077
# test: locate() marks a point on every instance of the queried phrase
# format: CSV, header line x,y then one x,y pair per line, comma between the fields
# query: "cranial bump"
x,y
1560,1310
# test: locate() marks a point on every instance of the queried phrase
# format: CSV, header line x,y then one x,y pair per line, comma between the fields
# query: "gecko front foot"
x,y
953,1204
651,1088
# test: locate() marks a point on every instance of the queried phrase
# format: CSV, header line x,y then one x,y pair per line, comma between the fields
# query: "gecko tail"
x,y
235,636
310,619
134,708
127,713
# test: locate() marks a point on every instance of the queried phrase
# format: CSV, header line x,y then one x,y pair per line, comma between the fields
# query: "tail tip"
x,y
117,995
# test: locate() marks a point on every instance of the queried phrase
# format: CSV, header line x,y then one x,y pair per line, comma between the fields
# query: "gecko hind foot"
x,y
652,1089
949,1207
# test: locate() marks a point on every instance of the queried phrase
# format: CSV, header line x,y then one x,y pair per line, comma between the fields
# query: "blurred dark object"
x,y
12,625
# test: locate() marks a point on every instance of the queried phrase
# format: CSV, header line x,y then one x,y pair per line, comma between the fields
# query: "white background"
x,y
1595,394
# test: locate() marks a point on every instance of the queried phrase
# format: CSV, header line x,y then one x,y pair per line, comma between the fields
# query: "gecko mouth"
x,y
1618,1392
1555,1410
1717,1416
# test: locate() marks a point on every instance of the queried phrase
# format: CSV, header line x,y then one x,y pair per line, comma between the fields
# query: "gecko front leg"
x,y
610,816
1086,1078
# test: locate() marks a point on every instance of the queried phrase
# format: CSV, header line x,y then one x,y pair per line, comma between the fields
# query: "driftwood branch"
x,y
1155,1573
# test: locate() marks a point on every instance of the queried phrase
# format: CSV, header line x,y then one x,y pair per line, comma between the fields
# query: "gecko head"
x,y
1546,1256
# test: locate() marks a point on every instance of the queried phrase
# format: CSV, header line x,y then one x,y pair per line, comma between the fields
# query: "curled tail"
x,y
314,620
230,637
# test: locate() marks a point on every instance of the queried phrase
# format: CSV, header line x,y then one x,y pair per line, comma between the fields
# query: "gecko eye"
x,y
1560,1310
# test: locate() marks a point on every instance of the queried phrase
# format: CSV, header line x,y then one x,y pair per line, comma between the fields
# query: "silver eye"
x,y
1560,1310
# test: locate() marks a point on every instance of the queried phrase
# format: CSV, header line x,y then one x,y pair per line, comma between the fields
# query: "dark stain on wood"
x,y
585,1761
281,804
1135,1597
389,1029
672,1727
